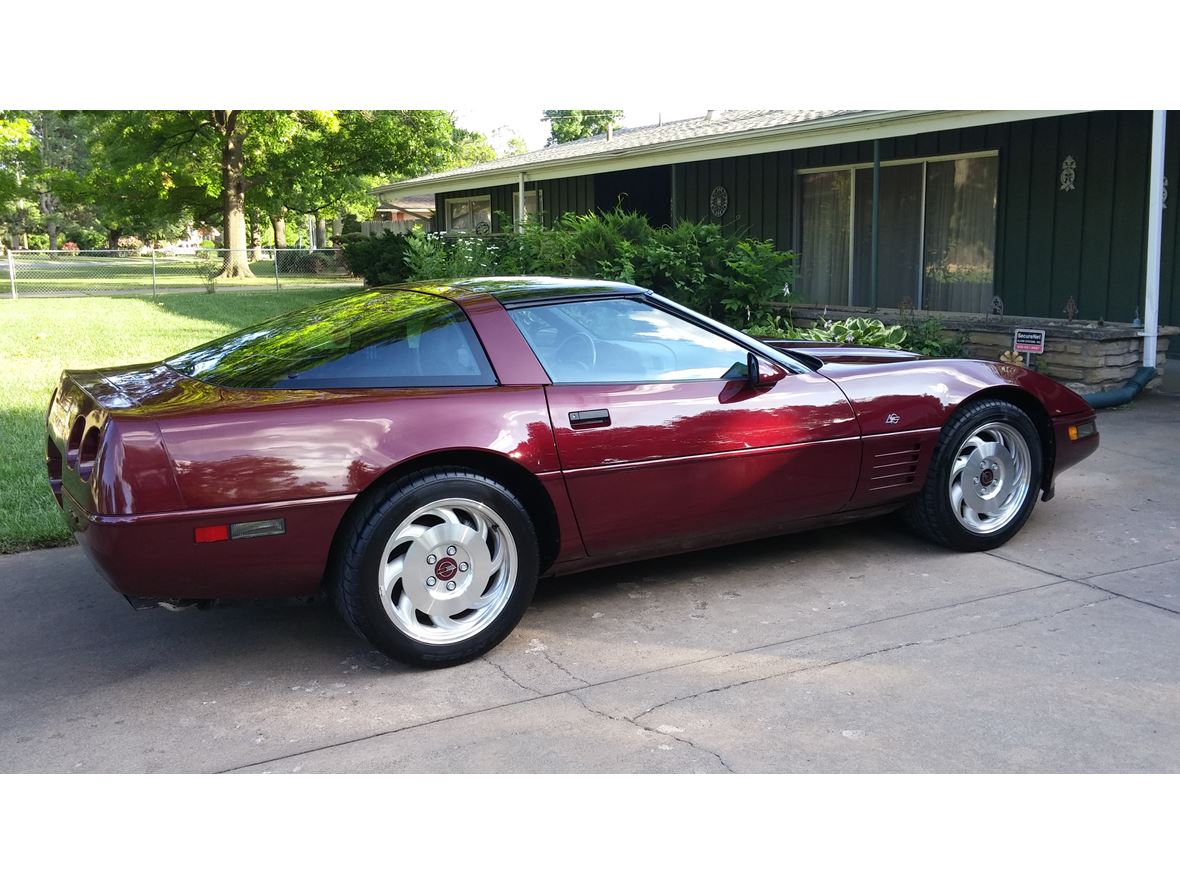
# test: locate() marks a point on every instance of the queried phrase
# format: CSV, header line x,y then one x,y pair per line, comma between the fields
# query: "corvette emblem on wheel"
x,y
446,569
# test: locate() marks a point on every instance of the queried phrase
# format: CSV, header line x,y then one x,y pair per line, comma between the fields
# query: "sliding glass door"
x,y
935,237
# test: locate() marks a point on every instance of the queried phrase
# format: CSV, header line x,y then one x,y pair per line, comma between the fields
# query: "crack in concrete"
x,y
868,654
628,676
545,654
510,677
653,731
1085,582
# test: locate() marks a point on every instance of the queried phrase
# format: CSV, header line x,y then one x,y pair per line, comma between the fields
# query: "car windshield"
x,y
387,339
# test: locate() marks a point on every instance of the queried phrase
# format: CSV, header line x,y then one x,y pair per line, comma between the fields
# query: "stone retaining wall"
x,y
1084,356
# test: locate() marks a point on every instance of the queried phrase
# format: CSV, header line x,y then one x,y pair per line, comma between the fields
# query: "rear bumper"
x,y
155,556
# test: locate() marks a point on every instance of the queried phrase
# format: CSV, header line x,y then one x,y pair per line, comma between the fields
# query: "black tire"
x,y
932,515
355,582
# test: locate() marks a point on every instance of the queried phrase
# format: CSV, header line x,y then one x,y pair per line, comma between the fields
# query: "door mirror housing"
x,y
761,373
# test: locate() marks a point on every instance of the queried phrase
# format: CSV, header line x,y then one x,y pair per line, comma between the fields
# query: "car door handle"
x,y
590,418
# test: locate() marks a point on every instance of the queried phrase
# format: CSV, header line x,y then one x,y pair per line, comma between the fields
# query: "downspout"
x,y
1151,313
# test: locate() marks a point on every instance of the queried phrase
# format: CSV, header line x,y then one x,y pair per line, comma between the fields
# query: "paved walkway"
x,y
852,649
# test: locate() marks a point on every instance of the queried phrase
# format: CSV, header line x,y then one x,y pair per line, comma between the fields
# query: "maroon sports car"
x,y
425,452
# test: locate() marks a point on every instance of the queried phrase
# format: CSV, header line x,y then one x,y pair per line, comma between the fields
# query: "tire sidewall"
x,y
985,413
373,621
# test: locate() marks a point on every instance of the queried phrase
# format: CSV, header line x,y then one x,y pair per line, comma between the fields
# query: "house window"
x,y
470,215
936,234
532,205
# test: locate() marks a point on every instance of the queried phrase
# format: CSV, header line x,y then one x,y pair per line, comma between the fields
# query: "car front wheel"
x,y
440,569
983,478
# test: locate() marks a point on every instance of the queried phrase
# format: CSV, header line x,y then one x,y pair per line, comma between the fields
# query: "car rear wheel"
x,y
983,478
440,569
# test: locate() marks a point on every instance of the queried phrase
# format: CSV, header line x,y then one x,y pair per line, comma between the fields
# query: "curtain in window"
x,y
899,236
960,235
825,204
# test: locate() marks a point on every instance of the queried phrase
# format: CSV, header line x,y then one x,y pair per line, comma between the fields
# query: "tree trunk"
x,y
337,230
255,241
233,200
113,235
321,233
51,229
279,223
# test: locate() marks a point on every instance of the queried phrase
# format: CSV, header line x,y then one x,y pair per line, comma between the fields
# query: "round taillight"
x,y
75,440
88,453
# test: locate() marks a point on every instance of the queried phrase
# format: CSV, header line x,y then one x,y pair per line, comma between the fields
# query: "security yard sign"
x,y
1029,341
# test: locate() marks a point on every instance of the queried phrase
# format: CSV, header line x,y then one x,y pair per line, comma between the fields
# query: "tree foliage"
x,y
151,174
571,125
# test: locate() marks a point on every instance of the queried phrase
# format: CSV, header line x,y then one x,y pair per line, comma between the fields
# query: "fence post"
x,y
11,274
275,253
153,273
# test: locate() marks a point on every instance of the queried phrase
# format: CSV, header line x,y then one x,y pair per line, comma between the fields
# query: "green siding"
x,y
1051,245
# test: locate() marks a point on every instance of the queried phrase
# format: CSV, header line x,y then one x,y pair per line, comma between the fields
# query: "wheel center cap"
x,y
986,477
445,569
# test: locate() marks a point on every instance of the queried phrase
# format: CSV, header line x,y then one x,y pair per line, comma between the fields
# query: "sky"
x,y
500,124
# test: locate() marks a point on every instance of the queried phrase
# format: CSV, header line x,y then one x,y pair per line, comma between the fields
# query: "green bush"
x,y
927,338
721,275
378,260
852,330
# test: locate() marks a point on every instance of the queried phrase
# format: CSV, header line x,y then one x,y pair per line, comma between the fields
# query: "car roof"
x,y
515,290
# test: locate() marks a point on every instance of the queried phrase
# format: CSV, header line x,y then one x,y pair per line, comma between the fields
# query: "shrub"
x,y
853,330
378,260
929,339
697,264
208,267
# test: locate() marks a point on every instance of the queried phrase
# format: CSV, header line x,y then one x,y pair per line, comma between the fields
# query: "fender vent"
x,y
895,468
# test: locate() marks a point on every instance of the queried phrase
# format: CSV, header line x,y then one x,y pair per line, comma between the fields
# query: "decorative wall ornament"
x,y
1069,167
718,201
997,306
1071,309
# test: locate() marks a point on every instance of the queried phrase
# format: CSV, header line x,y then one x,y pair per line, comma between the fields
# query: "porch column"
x,y
1155,229
520,202
876,220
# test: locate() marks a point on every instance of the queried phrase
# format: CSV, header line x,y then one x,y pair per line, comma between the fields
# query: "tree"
x,y
515,146
571,125
17,152
327,171
470,148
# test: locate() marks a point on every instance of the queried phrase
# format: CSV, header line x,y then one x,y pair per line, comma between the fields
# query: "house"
x,y
400,214
1021,213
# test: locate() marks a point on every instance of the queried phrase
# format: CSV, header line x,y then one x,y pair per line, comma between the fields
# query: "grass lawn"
x,y
40,337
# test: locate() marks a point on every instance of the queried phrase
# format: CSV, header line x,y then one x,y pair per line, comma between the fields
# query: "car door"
x,y
663,443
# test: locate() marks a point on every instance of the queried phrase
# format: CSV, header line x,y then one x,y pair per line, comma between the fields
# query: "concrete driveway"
x,y
853,649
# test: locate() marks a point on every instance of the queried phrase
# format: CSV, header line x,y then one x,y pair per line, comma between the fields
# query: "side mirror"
x,y
761,373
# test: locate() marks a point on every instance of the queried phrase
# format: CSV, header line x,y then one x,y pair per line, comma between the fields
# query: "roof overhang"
x,y
861,126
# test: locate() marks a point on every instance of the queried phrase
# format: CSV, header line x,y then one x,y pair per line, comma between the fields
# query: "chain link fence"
x,y
73,272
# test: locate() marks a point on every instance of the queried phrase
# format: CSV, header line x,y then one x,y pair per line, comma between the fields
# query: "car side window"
x,y
404,339
623,340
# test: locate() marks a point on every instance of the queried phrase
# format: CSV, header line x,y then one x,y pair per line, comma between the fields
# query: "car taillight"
x,y
88,454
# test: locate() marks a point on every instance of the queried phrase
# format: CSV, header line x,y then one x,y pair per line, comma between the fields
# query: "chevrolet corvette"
x,y
425,452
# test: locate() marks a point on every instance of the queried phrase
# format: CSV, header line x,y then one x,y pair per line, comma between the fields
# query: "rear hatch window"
x,y
384,339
